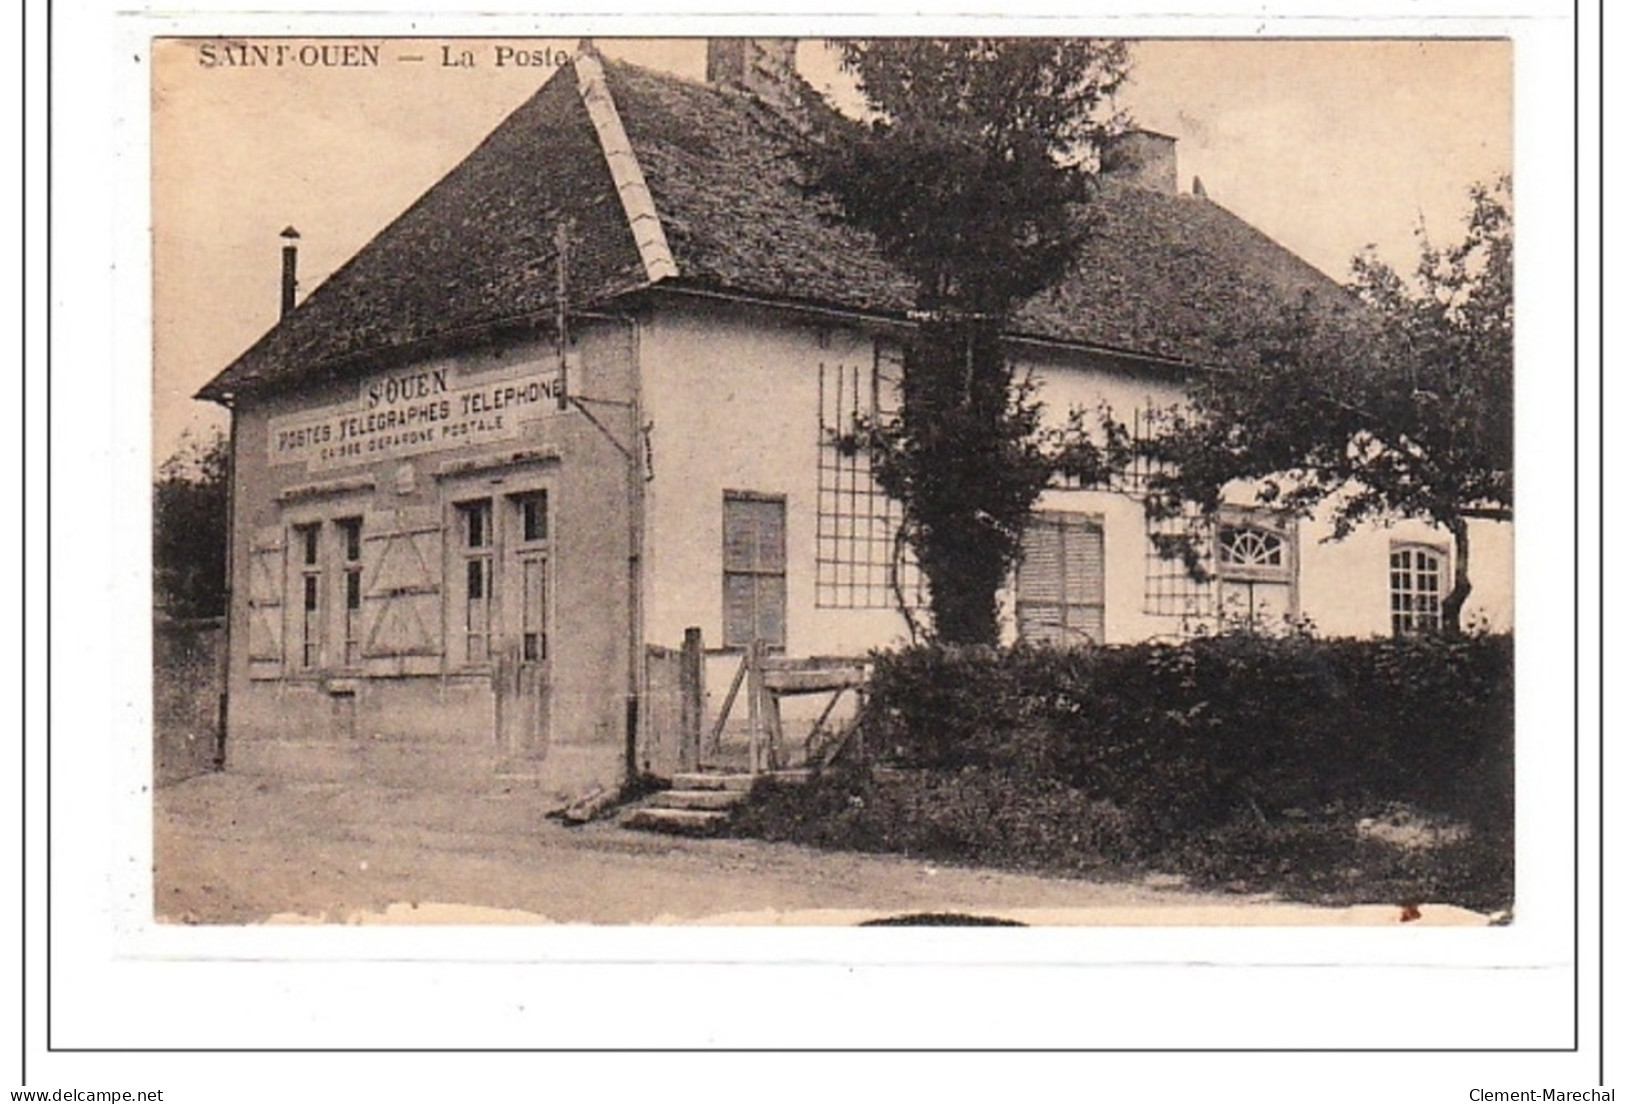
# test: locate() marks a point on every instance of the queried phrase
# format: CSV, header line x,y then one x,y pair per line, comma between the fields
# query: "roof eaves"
x,y
636,199
903,321
437,343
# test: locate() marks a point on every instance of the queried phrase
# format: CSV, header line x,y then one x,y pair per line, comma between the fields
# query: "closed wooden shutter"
x,y
401,571
266,573
1061,583
1040,596
753,563
738,610
1086,578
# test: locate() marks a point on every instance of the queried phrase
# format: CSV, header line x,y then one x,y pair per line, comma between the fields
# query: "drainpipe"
x,y
637,670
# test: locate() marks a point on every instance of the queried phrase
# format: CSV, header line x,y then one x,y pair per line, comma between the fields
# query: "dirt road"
x,y
235,849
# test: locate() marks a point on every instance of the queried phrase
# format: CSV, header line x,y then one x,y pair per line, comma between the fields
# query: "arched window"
x,y
1416,587
1251,551
1255,559
1254,546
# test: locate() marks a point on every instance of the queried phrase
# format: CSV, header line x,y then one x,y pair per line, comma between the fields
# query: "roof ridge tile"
x,y
636,199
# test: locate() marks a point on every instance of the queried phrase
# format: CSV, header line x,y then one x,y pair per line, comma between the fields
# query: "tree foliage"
x,y
189,510
972,177
1400,407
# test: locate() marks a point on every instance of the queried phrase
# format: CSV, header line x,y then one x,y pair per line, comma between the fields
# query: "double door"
x,y
507,619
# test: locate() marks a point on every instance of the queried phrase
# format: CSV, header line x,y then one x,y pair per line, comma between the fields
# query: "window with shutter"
x,y
401,572
265,578
753,586
1061,582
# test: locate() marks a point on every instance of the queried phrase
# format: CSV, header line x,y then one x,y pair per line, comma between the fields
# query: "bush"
x,y
1186,736
969,815
979,816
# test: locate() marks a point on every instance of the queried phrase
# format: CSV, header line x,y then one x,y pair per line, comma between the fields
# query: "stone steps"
x,y
712,780
698,802
683,822
696,805
711,800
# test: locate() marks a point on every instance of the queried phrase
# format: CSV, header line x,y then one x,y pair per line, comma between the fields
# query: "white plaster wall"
x,y
734,399
733,393
1342,585
1070,382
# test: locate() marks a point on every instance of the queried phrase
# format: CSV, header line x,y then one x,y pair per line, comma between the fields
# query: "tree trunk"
x,y
965,459
956,391
1450,612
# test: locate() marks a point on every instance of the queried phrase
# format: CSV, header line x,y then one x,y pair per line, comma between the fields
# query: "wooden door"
x,y
524,651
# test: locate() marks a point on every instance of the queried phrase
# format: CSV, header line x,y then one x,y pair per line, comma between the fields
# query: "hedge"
x,y
1191,734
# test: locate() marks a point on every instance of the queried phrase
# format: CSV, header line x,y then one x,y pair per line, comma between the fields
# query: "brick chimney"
x,y
1142,158
765,67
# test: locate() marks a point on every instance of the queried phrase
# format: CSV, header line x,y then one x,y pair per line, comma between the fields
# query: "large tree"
x,y
973,176
189,508
1400,407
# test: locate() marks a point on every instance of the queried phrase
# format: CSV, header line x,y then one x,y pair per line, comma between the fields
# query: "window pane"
x,y
533,515
1415,593
350,529
478,529
311,536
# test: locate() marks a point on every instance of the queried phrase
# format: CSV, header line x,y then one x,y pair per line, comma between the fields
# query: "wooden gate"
x,y
673,712
765,680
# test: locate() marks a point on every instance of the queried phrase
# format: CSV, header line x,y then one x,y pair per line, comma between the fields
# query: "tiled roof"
x,y
732,192
1163,276
1171,276
475,251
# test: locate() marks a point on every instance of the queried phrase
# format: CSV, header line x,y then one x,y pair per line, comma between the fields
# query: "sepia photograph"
x,y
833,481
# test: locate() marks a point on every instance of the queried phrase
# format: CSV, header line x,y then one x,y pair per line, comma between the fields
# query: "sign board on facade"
x,y
414,411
